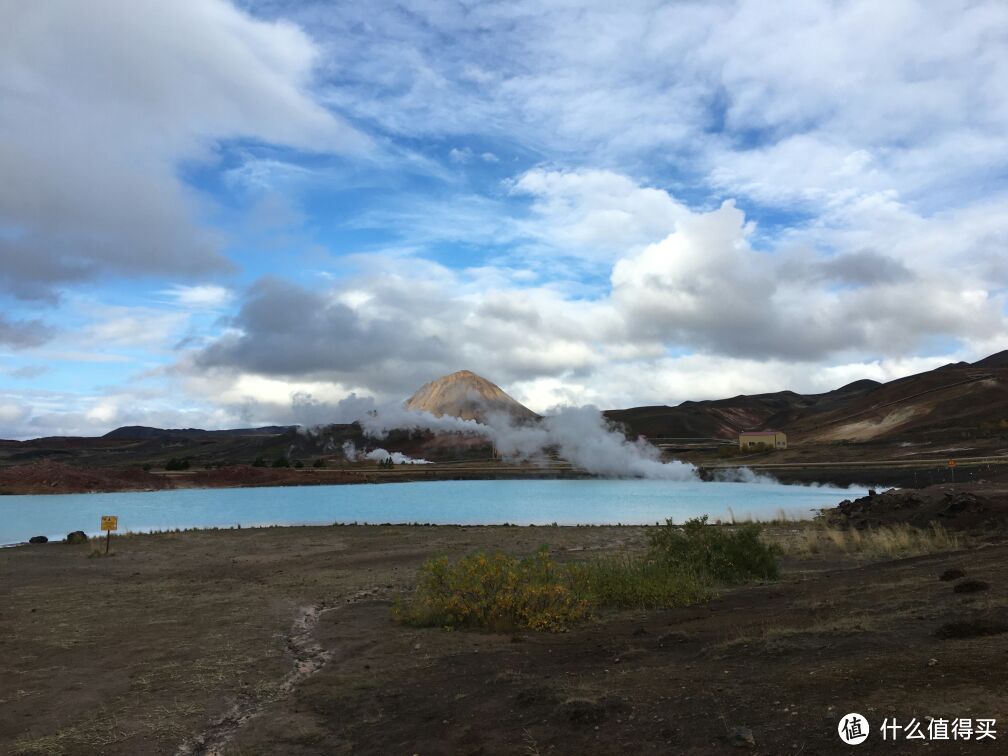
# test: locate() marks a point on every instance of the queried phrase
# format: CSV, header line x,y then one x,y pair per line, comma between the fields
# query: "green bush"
x,y
259,462
281,462
499,592
177,464
495,592
725,555
626,582
319,463
298,464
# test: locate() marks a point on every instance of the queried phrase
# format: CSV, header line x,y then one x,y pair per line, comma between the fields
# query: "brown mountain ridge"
x,y
951,400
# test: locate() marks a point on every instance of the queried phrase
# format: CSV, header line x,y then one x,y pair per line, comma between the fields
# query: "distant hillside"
x,y
468,396
957,398
146,432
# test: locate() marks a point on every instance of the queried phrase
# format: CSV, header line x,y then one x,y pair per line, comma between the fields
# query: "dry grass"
x,y
783,638
888,542
97,548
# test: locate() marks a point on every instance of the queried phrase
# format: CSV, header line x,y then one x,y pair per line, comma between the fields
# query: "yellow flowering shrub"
x,y
494,592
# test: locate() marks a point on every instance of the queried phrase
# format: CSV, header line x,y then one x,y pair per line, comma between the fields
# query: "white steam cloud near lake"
x,y
380,455
580,435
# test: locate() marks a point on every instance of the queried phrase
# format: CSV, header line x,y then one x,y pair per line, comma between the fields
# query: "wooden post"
x,y
108,540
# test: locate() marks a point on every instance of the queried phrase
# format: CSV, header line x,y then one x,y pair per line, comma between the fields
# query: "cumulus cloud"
x,y
20,334
102,104
863,268
701,287
595,214
284,329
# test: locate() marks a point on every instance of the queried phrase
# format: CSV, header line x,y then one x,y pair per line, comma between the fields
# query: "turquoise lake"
x,y
478,502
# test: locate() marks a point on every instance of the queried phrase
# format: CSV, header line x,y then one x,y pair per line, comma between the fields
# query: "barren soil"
x,y
278,640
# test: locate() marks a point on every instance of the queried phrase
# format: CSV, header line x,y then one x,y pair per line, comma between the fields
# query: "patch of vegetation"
x,y
259,462
886,542
177,464
503,593
494,592
281,462
319,463
98,548
625,582
298,464
725,555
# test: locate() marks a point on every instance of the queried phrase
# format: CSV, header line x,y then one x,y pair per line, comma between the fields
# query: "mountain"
x,y
953,401
468,396
146,432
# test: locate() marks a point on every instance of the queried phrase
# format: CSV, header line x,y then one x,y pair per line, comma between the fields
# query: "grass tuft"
x,y
887,542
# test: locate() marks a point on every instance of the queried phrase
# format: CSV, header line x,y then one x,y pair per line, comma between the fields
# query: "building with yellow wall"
x,y
768,439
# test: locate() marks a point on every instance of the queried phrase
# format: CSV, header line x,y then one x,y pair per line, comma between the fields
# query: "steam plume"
x,y
580,435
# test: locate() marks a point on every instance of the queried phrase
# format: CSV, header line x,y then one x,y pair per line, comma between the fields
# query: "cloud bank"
x,y
210,208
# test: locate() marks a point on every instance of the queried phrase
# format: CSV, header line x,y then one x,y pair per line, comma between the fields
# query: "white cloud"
x,y
756,321
870,140
595,214
199,297
102,103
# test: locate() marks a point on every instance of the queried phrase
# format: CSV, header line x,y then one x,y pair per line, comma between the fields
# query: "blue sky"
x,y
221,214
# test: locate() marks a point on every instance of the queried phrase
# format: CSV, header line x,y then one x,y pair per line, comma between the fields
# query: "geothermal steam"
x,y
380,455
579,435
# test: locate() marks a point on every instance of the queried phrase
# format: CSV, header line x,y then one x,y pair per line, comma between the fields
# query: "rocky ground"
x,y
962,507
279,640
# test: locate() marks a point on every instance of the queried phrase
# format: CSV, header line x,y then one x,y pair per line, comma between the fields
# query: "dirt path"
x,y
309,657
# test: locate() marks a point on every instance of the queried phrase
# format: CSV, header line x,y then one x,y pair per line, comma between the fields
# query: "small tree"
x,y
298,464
319,463
281,461
259,462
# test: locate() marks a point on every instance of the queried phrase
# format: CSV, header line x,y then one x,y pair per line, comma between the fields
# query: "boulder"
x,y
77,537
38,539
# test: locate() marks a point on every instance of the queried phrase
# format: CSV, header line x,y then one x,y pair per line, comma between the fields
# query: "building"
x,y
767,438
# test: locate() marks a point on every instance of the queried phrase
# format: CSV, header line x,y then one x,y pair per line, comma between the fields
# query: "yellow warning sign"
x,y
110,522
951,463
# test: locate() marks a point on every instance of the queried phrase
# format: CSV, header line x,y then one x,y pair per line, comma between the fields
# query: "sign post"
x,y
108,524
952,466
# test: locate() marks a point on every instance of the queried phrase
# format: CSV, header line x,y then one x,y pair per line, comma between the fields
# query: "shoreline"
x,y
323,527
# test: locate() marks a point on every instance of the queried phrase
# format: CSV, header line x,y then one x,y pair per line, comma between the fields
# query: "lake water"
x,y
476,502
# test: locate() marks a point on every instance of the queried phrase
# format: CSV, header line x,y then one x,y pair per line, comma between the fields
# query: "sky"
x,y
222,214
